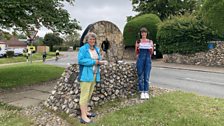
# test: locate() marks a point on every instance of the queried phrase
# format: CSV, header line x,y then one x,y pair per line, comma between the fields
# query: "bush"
x,y
183,35
131,29
10,53
60,48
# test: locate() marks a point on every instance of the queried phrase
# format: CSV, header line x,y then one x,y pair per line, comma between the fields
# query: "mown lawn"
x,y
27,74
9,116
36,56
171,109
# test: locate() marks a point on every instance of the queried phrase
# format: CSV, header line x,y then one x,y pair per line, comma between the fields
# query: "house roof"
x,y
14,42
1,42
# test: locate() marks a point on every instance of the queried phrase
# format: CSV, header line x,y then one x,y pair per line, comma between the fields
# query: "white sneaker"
x,y
142,96
146,95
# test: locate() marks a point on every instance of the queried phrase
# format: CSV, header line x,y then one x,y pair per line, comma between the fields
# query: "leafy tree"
x,y
72,40
52,39
4,35
21,36
164,8
39,41
24,14
213,13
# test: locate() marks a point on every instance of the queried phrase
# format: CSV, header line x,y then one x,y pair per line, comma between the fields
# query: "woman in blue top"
x,y
89,61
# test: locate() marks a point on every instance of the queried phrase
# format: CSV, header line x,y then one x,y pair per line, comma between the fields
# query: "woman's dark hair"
x,y
143,29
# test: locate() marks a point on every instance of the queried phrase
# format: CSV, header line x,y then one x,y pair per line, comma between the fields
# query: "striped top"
x,y
146,44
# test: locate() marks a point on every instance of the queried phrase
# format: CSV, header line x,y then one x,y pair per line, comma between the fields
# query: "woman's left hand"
x,y
102,62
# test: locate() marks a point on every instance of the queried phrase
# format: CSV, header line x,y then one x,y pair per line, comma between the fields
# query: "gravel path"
x,y
42,117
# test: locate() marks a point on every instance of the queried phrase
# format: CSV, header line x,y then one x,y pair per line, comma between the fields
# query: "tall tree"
x,y
39,41
213,14
164,8
24,14
72,40
5,35
52,39
21,36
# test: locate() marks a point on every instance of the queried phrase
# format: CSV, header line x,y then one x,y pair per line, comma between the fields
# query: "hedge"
x,y
60,48
10,54
131,29
184,35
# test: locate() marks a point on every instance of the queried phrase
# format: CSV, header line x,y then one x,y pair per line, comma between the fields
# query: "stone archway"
x,y
106,29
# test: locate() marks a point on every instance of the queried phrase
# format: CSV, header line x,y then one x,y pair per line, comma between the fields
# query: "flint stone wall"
x,y
117,81
213,57
106,29
129,53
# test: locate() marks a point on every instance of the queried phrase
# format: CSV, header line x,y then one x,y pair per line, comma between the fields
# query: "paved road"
x,y
204,83
65,60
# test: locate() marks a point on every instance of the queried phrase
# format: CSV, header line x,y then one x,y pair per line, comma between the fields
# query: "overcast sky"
x,y
91,11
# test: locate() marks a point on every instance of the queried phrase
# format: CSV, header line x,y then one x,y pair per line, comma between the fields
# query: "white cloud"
x,y
43,31
91,11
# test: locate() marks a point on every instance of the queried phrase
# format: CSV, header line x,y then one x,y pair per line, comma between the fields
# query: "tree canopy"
x,y
213,13
164,8
52,39
21,15
71,40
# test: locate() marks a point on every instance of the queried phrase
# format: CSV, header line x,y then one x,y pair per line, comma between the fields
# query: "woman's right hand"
x,y
97,62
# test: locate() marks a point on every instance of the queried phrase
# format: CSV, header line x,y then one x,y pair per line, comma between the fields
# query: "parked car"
x,y
18,52
2,53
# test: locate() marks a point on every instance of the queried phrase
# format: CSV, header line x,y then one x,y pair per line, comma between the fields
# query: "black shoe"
x,y
84,122
91,115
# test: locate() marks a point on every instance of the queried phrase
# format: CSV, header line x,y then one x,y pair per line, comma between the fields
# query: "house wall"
x,y
41,49
2,46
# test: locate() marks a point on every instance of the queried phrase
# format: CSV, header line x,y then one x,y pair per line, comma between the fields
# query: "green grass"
x,y
27,74
9,116
171,109
36,56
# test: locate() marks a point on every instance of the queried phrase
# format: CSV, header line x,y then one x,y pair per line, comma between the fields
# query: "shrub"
x,y
131,29
184,35
10,54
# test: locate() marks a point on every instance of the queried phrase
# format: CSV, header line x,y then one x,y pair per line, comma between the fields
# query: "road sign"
x,y
31,33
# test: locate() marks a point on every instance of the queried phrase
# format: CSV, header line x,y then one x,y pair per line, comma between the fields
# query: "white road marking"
x,y
203,81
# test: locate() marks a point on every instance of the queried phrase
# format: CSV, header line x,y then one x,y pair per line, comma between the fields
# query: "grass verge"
x,y
36,56
170,109
9,116
27,74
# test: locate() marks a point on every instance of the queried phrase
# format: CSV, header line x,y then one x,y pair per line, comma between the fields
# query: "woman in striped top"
x,y
144,51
